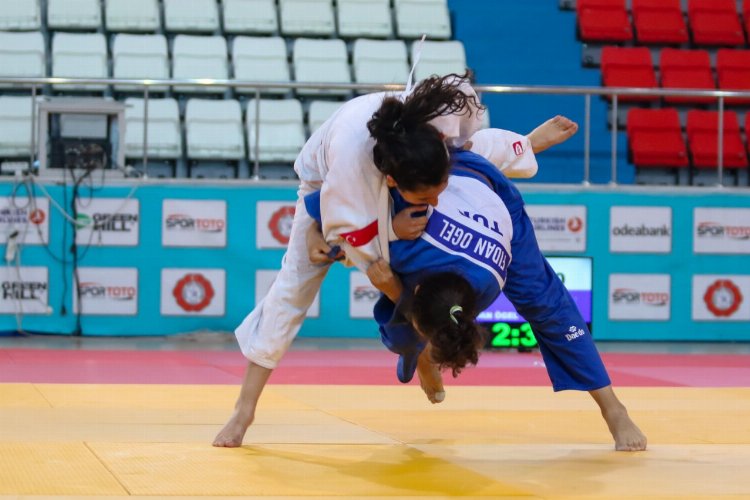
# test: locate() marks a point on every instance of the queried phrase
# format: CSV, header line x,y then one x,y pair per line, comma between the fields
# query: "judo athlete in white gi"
x,y
338,159
478,242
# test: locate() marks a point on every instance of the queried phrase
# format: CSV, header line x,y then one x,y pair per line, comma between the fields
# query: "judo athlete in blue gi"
x,y
479,242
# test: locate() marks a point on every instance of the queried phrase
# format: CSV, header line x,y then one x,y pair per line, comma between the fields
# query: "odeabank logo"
x,y
641,231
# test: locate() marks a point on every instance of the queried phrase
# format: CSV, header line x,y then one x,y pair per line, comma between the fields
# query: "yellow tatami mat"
x,y
153,441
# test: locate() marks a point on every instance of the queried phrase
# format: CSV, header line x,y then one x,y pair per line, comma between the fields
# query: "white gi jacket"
x,y
354,191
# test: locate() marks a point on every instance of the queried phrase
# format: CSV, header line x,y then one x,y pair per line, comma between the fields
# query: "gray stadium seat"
x,y
164,136
260,59
15,126
191,16
213,129
140,57
307,17
415,18
22,55
199,57
321,61
74,14
250,16
79,55
281,130
20,15
132,15
364,18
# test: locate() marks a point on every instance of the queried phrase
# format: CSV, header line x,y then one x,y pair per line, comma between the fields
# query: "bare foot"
x,y
430,378
628,437
234,431
552,132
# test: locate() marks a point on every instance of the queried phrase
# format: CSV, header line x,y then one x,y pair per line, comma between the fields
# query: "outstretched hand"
x,y
552,132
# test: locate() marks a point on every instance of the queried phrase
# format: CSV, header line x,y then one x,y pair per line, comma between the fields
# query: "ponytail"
x,y
444,309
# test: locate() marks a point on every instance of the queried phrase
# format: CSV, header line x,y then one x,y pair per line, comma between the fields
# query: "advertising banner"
x,y
274,223
193,292
29,217
194,223
24,290
559,227
721,297
107,291
108,221
634,297
362,295
721,230
263,280
640,229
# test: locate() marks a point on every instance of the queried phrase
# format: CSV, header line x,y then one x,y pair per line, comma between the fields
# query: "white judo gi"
x,y
337,159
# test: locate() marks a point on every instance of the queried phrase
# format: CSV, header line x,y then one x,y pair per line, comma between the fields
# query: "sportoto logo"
x,y
723,298
193,292
187,223
715,230
280,224
575,224
632,296
94,290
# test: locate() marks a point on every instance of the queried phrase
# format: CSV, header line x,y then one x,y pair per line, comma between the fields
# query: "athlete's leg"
x,y
569,352
266,333
234,430
627,435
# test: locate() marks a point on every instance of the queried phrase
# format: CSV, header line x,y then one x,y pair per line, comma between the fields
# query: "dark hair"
x,y
456,338
407,147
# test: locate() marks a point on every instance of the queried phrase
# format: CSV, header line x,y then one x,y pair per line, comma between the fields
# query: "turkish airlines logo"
x,y
193,292
723,298
631,296
574,224
183,222
280,224
37,216
716,230
518,148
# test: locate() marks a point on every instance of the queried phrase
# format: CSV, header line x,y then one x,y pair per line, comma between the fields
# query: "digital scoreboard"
x,y
508,329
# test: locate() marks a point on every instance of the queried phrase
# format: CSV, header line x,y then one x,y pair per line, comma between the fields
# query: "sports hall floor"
x,y
118,418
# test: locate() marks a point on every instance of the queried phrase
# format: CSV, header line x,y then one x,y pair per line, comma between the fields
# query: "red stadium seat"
x,y
659,22
746,15
655,138
628,67
733,69
702,132
686,69
715,22
604,21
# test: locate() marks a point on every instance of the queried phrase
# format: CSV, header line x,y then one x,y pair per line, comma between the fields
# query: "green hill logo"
x,y
82,221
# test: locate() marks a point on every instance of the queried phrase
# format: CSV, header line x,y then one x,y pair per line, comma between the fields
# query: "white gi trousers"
x,y
267,332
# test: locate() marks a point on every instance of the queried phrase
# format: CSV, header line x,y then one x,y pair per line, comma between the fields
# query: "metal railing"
x,y
615,92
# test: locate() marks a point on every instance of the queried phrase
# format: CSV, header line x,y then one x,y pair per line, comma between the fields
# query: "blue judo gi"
x,y
521,272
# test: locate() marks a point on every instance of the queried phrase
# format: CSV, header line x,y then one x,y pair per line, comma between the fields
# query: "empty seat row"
x,y
712,22
214,129
678,69
262,59
350,18
655,139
